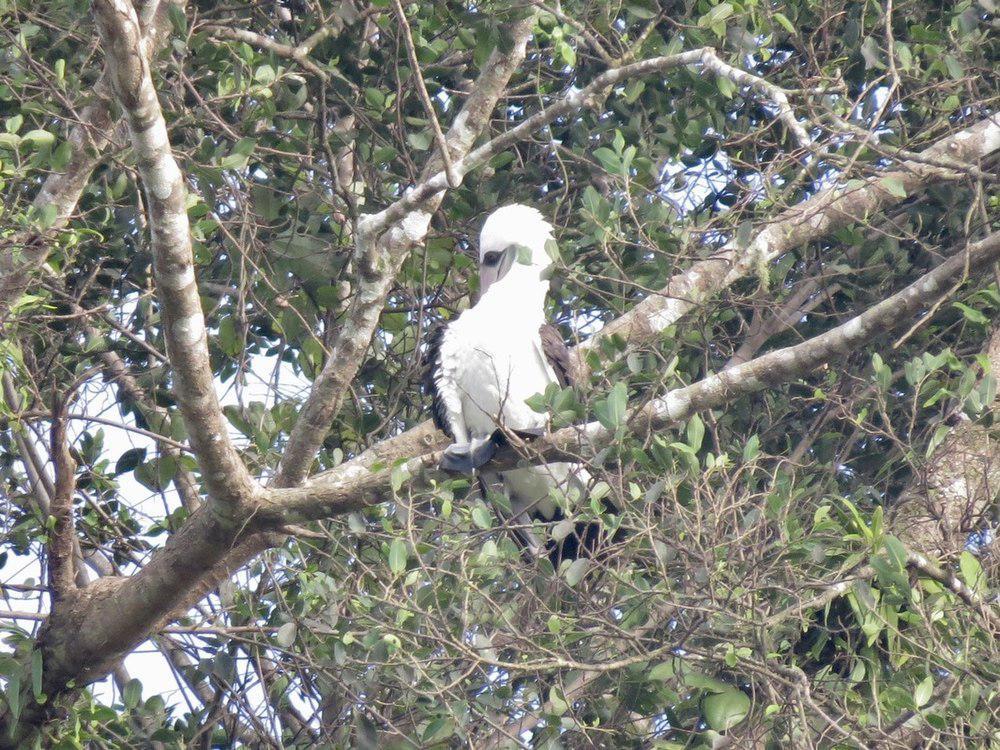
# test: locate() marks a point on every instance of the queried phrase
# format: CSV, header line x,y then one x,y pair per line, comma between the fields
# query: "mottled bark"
x,y
827,211
226,478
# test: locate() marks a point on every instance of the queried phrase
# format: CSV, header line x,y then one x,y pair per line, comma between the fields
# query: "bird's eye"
x,y
491,258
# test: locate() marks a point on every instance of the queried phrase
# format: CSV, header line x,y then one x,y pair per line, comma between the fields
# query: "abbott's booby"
x,y
482,366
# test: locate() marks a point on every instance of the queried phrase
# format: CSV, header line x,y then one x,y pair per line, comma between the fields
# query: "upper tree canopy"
x,y
226,229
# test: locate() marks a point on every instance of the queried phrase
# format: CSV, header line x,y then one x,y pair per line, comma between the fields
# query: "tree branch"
x,y
60,560
377,260
425,98
815,217
807,222
950,581
42,490
570,102
770,322
296,53
224,474
350,486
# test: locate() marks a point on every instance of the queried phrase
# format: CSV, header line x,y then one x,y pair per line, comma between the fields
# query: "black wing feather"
x,y
557,355
430,363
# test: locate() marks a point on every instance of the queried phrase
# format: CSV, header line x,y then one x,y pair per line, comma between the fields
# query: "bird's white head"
x,y
512,246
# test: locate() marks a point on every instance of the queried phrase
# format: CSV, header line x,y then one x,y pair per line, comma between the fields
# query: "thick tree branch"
x,y
61,577
223,472
81,642
352,486
329,388
825,212
24,253
380,250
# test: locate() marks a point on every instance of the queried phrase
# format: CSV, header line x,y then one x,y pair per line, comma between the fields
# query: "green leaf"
x,y
397,556
725,710
61,156
893,186
36,673
438,729
552,250
374,98
922,693
896,551
937,438
481,517
608,159
716,15
972,315
177,18
421,140
132,693
783,20
557,702
13,694
662,671
39,137
695,432
972,572
265,74
128,460
577,570
398,476
699,680
286,634
615,406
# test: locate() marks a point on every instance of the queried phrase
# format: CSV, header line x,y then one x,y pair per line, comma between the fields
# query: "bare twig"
x,y
418,79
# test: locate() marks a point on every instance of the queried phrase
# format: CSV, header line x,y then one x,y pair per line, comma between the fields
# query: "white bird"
x,y
482,366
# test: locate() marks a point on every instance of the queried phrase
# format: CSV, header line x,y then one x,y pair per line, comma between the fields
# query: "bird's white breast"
x,y
493,355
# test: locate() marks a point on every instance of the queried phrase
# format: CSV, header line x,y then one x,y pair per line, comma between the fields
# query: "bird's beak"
x,y
489,275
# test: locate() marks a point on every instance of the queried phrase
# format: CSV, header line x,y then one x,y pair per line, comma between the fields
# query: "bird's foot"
x,y
465,458
530,433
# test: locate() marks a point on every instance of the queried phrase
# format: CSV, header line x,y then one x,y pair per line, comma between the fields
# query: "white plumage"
x,y
494,356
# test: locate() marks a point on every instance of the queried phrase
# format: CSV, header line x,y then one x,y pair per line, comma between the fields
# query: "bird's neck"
x,y
519,290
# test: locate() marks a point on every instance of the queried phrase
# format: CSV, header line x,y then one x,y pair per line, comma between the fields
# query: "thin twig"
x,y
454,180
